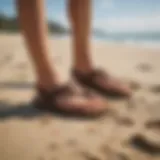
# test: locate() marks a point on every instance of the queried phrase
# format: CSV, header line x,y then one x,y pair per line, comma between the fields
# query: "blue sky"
x,y
109,15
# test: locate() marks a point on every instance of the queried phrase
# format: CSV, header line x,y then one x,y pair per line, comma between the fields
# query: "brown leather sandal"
x,y
102,83
67,100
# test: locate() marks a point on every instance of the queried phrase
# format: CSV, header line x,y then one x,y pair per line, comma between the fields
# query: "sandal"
x,y
102,83
66,99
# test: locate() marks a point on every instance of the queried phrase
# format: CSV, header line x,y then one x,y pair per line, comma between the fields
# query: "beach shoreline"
x,y
28,134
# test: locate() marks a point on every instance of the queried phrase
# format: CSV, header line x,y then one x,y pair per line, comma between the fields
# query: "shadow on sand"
x,y
16,85
21,111
28,111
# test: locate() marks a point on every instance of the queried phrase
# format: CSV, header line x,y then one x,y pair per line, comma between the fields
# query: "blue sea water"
x,y
147,40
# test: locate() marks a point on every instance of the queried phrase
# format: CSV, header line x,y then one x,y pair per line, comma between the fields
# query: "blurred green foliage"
x,y
10,24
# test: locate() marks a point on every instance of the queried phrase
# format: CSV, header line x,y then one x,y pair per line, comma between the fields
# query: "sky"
x,y
108,15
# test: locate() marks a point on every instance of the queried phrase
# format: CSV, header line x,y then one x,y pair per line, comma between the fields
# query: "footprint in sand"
x,y
144,67
153,124
143,144
134,85
155,89
125,121
53,146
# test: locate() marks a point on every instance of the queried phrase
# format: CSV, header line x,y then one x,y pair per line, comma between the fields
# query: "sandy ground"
x,y
129,131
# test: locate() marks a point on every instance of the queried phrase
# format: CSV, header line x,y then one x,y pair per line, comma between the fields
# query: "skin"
x,y
31,14
32,21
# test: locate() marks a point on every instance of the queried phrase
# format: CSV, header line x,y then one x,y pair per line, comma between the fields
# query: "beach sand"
x,y
129,131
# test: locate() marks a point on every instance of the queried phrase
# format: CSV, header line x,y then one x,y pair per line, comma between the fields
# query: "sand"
x,y
130,130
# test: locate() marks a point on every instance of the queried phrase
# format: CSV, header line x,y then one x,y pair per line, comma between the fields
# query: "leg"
x,y
50,96
80,16
32,21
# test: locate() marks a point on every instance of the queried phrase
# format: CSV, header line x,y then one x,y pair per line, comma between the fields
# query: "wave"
x,y
147,43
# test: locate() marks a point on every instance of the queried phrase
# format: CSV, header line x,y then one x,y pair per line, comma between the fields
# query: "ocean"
x,y
147,40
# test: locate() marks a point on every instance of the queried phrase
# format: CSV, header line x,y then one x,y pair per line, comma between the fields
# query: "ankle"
x,y
83,69
47,84
46,87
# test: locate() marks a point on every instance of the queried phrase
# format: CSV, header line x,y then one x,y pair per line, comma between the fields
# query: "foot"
x,y
66,99
102,83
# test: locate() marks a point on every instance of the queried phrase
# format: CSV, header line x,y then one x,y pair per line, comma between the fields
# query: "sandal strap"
x,y
91,75
56,91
